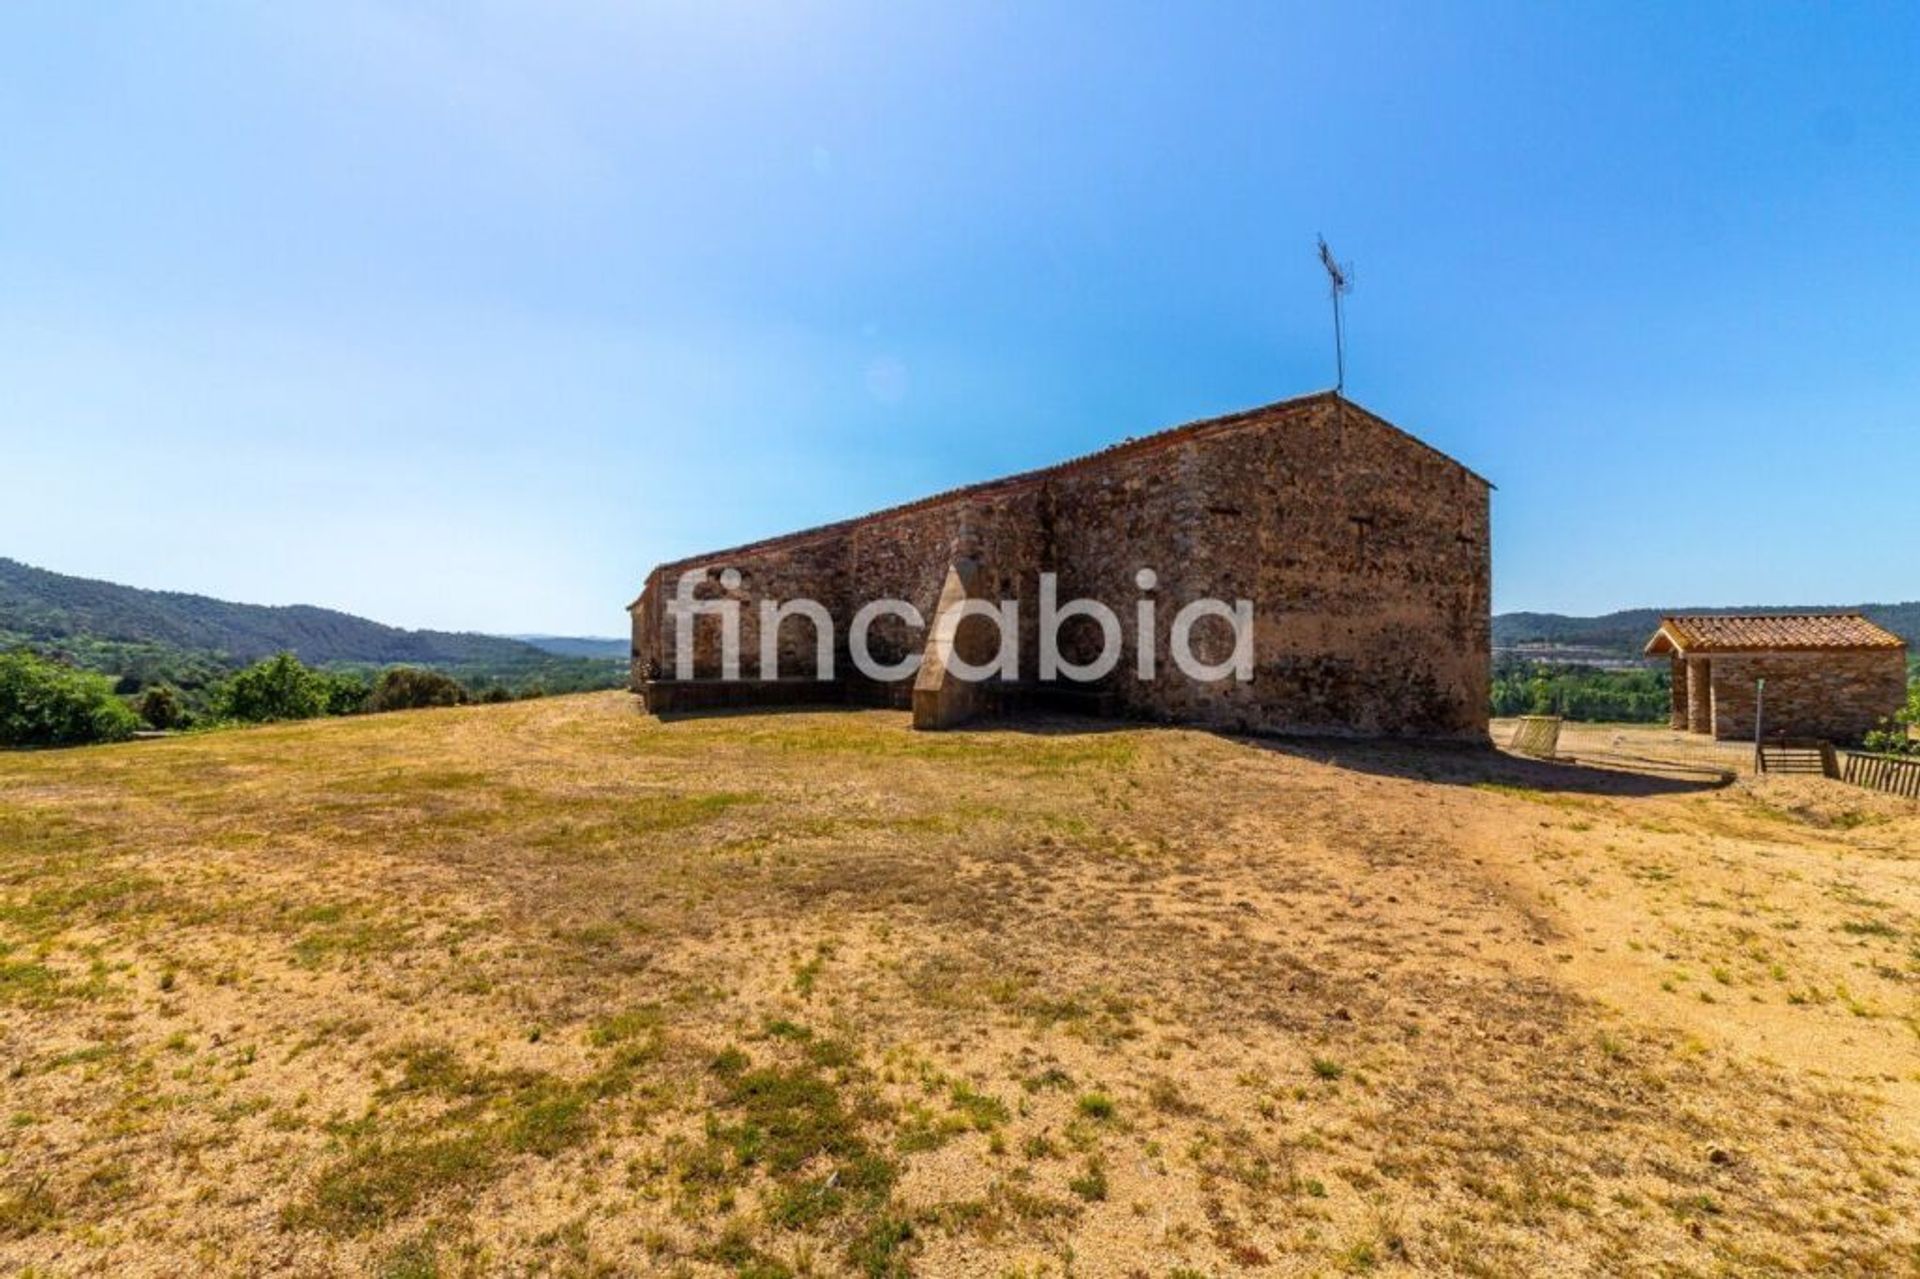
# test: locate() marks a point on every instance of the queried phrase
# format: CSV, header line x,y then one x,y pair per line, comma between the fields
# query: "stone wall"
x,y
1835,696
1365,553
902,554
1699,695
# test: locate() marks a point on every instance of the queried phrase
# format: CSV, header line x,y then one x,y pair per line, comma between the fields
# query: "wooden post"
x,y
1759,723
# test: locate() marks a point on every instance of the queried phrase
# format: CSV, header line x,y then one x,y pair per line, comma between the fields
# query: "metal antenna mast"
x,y
1339,283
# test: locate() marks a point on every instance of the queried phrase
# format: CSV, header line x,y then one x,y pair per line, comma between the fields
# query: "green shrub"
x,y
45,704
345,692
161,707
405,688
277,688
1895,736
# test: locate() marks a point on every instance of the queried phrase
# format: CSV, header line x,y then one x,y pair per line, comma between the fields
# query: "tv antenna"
x,y
1339,283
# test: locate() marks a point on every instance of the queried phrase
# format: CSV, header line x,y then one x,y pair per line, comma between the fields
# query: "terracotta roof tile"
x,y
1803,632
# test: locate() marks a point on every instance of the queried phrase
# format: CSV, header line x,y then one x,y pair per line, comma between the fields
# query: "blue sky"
x,y
465,314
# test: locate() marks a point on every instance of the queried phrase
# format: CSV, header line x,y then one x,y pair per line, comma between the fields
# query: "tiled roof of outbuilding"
x,y
1793,632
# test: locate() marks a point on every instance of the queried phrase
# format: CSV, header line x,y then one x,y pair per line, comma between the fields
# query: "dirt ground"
x,y
558,988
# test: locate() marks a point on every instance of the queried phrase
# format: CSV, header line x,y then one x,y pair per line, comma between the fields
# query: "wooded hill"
x,y
125,630
1625,633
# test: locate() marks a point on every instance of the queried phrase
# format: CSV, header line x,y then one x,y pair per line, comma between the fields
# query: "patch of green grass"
x,y
27,1211
341,930
1095,1105
781,1028
807,974
968,1111
1051,1077
33,985
1358,1258
77,892
925,1130
1328,1069
412,1259
1042,755
546,1120
625,1027
1091,1184
383,1181
1039,1146
428,1067
1165,1096
1005,1207
620,822
791,1124
829,1054
1551,799
393,1167
881,1250
804,1204
786,1118
984,1112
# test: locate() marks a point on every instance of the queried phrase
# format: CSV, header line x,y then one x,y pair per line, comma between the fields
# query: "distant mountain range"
x,y
1620,636
111,627
580,645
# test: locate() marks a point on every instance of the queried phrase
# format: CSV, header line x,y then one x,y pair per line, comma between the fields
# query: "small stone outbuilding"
x,y
1832,676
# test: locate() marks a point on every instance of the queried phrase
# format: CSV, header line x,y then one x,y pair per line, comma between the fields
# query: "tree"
x,y
410,688
1523,687
1895,735
277,688
45,704
160,706
346,692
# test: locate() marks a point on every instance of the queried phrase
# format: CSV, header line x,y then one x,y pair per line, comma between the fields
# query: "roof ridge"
x,y
1771,617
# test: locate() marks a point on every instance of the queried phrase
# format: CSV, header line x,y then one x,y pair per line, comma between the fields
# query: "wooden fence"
x,y
1894,774
1889,773
1797,755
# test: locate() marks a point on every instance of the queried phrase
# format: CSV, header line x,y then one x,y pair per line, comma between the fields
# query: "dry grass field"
x,y
557,988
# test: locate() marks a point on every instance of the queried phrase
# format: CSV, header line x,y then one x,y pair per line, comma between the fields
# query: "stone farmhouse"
x,y
1364,552
1830,676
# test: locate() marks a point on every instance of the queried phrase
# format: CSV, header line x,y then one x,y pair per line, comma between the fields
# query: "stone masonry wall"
x,y
1366,554
1835,696
895,555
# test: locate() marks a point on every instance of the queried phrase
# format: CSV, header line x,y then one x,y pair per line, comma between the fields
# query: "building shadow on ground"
x,y
1440,763
1486,766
